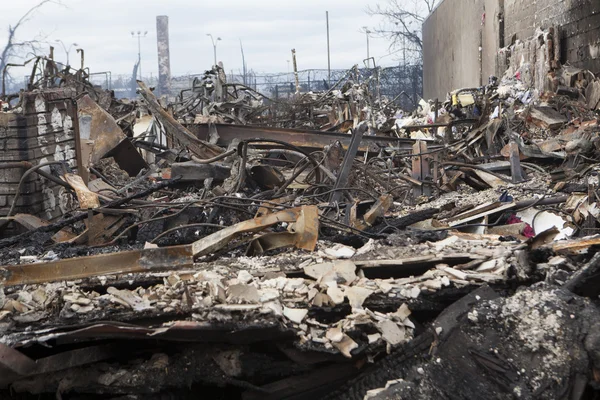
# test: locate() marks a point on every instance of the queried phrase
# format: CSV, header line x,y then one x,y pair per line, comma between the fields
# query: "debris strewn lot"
x,y
326,246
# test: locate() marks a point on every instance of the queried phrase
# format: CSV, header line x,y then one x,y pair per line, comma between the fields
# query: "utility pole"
x,y
404,49
67,50
139,36
328,51
243,62
164,55
214,43
367,32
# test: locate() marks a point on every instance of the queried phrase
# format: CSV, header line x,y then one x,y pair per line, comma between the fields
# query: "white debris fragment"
x,y
273,307
4,314
368,247
81,309
472,315
335,334
357,295
453,272
439,246
244,276
339,251
346,345
374,337
402,313
346,270
372,394
391,332
296,315
415,292
39,296
242,293
128,298
434,284
336,294
385,287
487,266
268,294
317,271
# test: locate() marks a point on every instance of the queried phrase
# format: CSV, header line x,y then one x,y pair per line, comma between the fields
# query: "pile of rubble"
x,y
327,247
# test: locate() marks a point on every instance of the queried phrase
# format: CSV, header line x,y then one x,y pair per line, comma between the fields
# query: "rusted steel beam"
x,y
219,239
517,173
300,138
342,179
420,169
104,264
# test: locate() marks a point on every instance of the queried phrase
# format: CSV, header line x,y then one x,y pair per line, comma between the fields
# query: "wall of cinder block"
x,y
579,21
454,28
42,131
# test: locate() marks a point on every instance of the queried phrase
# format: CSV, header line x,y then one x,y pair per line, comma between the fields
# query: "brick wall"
x,y
43,131
579,21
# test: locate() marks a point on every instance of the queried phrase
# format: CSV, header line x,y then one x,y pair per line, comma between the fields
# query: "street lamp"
x,y
67,50
214,43
139,36
367,32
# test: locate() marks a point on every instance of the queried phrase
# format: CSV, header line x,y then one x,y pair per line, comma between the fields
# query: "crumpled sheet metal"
x,y
98,129
199,147
221,238
305,237
303,234
87,198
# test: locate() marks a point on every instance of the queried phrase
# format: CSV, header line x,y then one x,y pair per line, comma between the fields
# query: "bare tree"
x,y
14,46
402,23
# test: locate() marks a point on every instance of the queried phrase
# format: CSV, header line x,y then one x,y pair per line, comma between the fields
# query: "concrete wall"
x,y
451,47
453,32
461,41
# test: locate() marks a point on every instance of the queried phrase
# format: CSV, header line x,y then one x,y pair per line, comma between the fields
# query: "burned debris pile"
x,y
329,246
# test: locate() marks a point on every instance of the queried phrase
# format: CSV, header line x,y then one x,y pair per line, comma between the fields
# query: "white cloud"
x,y
269,30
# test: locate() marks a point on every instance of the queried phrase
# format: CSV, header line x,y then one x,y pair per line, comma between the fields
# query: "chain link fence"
x,y
403,84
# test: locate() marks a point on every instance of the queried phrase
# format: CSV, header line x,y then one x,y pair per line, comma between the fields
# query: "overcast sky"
x,y
269,29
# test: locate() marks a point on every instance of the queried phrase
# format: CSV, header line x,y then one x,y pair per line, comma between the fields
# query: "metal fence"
x,y
403,83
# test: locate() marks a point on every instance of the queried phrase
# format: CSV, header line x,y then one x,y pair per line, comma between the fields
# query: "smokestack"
x,y
164,58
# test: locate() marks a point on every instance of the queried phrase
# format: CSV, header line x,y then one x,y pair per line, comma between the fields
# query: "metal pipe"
x,y
82,58
328,51
31,170
212,160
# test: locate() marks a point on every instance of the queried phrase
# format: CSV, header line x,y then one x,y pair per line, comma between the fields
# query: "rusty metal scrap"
x,y
104,264
303,234
270,247
175,129
87,198
220,239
